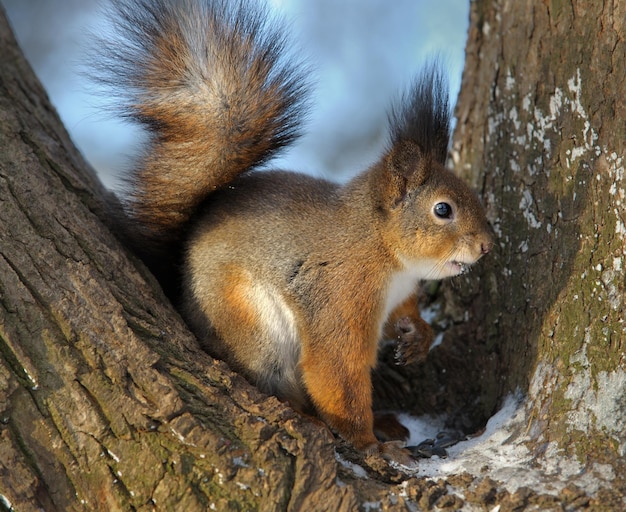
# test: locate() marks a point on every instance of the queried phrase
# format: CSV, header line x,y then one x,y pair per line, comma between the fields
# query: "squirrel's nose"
x,y
486,243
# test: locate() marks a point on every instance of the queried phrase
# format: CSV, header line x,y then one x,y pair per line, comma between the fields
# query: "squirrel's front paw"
x,y
414,340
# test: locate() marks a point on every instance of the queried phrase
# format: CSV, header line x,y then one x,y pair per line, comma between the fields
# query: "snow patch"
x,y
598,407
514,165
242,486
615,175
422,427
33,381
514,118
5,502
112,455
544,123
501,453
610,278
525,205
181,437
556,103
358,471
510,81
487,455
523,247
238,461
574,84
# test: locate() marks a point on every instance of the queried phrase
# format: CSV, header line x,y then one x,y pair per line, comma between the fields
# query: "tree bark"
x,y
541,133
107,402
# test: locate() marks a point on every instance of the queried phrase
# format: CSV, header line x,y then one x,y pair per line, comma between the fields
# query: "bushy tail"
x,y
210,81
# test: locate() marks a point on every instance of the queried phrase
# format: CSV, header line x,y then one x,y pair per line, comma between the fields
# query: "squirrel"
x,y
290,279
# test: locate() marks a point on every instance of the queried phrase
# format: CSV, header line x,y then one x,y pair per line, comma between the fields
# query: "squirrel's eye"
x,y
443,210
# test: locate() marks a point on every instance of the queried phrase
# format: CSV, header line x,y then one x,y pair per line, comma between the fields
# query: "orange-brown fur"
x,y
289,278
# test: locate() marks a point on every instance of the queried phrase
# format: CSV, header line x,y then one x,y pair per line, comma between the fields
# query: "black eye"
x,y
443,210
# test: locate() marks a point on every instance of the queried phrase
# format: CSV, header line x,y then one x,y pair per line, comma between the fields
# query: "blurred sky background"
x,y
363,53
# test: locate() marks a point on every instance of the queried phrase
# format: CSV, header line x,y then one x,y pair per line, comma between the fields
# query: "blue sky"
x,y
363,53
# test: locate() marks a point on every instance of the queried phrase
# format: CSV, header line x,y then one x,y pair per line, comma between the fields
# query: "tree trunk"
x,y
107,403
541,132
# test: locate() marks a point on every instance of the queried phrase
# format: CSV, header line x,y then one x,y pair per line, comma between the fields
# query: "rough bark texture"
x,y
541,133
541,127
107,403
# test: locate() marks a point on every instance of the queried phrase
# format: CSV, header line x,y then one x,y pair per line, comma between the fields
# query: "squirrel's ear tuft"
x,y
422,115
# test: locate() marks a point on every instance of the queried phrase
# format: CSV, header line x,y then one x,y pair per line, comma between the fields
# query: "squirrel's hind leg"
x,y
253,330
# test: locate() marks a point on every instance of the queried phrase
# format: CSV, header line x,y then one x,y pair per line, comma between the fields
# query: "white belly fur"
x,y
402,284
279,359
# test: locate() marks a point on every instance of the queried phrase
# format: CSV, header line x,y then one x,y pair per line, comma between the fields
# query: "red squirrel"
x,y
290,279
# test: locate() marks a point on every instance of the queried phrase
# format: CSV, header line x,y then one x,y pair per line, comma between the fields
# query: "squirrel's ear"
x,y
406,168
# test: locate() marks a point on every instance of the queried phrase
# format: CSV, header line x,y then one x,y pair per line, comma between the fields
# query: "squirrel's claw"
x,y
413,342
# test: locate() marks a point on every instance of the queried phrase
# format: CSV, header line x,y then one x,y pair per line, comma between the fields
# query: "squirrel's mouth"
x,y
458,267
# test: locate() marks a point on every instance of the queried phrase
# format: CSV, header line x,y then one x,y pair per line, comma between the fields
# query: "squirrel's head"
x,y
436,223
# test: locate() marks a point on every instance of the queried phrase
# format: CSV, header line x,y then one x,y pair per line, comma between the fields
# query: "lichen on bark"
x,y
539,129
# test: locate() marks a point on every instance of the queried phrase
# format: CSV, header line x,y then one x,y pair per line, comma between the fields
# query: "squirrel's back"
x,y
210,81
